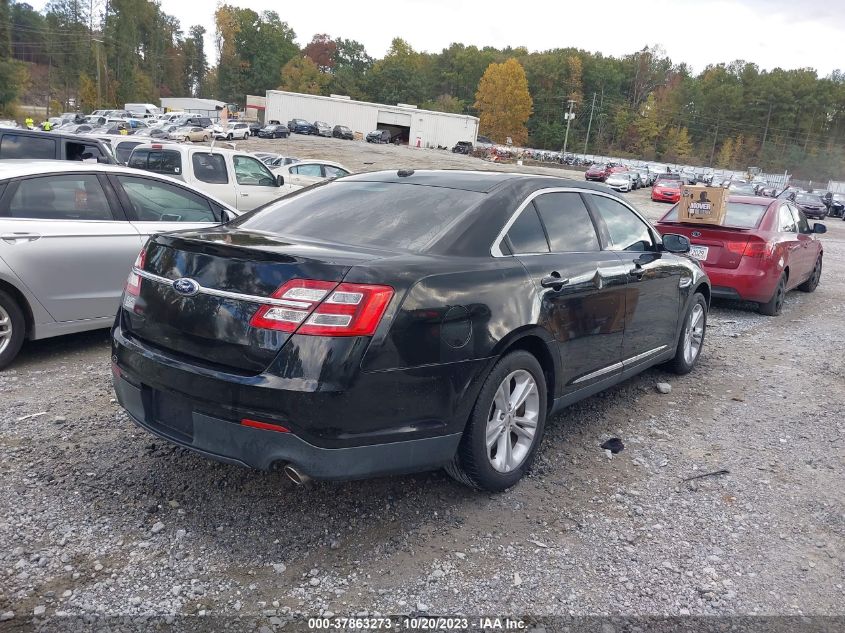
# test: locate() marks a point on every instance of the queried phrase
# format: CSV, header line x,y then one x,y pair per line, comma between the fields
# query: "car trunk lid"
x,y
235,270
719,246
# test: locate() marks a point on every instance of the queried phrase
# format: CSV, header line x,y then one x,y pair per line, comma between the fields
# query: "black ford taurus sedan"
x,y
393,322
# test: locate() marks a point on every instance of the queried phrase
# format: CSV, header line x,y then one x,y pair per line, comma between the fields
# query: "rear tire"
x,y
813,282
505,427
12,329
774,305
691,340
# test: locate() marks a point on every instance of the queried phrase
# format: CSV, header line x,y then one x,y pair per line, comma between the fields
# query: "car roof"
x,y
479,181
18,168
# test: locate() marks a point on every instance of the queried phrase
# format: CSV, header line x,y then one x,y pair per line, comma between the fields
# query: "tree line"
x,y
97,53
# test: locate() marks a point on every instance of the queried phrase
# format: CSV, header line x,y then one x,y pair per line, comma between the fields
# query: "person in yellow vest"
x,y
29,122
47,126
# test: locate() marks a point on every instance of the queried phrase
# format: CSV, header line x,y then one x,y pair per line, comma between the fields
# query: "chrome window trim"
x,y
495,249
225,294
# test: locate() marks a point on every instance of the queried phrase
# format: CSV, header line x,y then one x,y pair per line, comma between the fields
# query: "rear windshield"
x,y
738,214
157,161
400,216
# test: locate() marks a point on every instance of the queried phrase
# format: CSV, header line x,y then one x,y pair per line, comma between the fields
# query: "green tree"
x,y
302,75
503,102
252,49
445,103
724,158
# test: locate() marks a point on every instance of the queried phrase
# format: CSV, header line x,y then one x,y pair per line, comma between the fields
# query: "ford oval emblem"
x,y
186,287
696,233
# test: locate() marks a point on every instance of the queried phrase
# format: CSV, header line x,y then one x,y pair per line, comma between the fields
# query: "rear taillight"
x,y
758,249
325,308
737,248
133,282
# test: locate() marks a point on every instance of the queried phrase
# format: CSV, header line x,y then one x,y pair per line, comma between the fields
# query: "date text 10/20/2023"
x,y
422,623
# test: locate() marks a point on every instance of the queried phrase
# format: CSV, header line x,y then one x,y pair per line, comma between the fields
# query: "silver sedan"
x,y
69,233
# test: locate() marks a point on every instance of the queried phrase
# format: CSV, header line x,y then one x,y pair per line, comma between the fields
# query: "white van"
x,y
143,110
235,177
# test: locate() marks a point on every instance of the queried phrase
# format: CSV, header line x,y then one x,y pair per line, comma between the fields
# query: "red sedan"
x,y
764,249
597,173
666,191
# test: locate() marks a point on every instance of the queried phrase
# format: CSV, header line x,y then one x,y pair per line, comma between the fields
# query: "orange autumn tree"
x,y
504,103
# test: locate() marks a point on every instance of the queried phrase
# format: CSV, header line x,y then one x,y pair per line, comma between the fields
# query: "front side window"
x,y
210,168
21,146
567,223
526,233
249,171
308,170
60,197
627,231
154,201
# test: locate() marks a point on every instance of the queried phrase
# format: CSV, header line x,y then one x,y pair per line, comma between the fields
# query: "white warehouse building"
x,y
413,126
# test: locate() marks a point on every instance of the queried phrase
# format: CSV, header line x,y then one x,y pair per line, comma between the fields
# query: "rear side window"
x,y
526,233
786,223
156,160
210,168
334,172
154,201
20,146
568,224
394,215
59,197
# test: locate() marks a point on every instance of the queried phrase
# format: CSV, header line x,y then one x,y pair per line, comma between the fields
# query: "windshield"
x,y
400,216
807,198
671,184
740,215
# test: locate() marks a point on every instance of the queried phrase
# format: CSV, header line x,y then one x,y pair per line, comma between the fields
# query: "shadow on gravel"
x,y
95,344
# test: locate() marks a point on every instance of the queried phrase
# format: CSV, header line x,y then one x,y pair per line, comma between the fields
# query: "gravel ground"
x,y
101,518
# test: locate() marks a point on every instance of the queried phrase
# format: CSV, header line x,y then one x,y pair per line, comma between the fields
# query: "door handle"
x,y
553,280
245,195
12,238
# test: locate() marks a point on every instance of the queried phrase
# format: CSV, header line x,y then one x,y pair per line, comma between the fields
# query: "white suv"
x,y
232,131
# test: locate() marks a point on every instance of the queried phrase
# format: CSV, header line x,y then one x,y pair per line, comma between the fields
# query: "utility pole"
x,y
766,131
99,93
590,124
569,117
715,136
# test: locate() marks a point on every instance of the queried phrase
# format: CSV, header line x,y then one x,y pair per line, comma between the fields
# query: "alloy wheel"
x,y
5,329
694,334
512,422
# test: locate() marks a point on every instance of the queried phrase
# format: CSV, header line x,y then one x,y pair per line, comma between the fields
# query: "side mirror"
x,y
818,227
280,180
674,243
103,160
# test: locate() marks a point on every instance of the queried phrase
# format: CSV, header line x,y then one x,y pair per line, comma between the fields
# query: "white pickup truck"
x,y
237,178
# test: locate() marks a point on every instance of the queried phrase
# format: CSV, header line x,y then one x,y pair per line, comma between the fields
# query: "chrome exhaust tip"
x,y
300,479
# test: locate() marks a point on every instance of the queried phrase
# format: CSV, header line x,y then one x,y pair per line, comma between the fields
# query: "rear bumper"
x,y
233,443
742,284
342,427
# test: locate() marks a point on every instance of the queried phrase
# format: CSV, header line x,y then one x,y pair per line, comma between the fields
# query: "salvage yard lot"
x,y
101,517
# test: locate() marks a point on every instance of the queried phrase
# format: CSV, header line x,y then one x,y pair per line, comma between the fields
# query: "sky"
x,y
771,33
